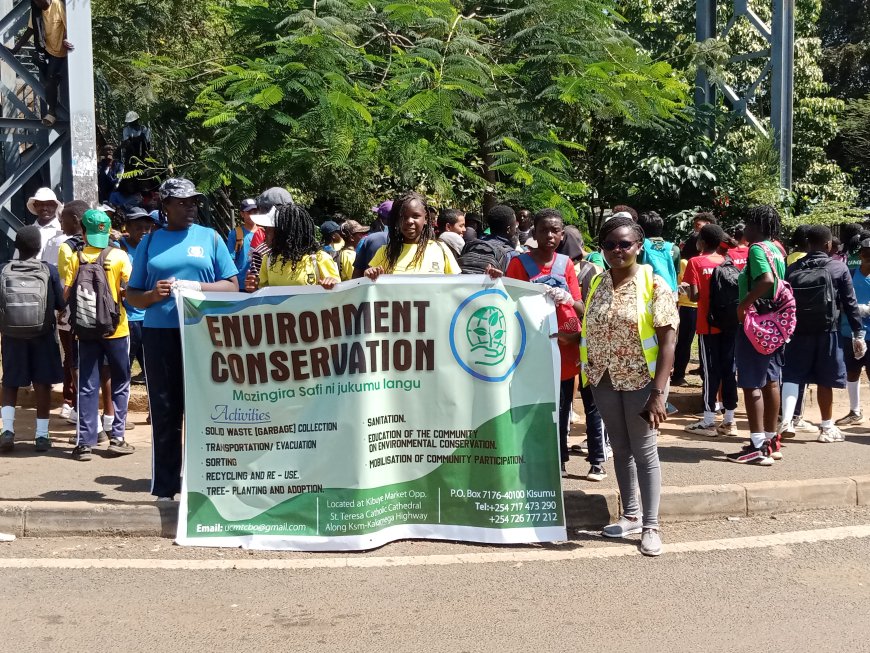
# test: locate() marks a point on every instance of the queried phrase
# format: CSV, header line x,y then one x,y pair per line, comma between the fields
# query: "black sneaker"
x,y
596,473
752,454
7,441
119,447
679,383
82,452
43,444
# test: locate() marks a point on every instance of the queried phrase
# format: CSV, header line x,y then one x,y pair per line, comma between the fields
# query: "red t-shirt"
x,y
698,273
739,256
258,238
566,316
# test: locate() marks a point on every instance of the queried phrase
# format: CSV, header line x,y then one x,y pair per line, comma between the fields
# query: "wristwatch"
x,y
656,391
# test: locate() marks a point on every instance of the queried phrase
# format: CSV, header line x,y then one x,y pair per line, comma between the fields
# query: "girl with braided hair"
x,y
412,248
295,258
759,374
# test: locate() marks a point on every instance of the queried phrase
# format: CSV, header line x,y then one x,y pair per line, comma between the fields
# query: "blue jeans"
x,y
596,435
91,356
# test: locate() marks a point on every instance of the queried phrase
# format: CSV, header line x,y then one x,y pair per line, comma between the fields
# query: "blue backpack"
x,y
657,254
556,278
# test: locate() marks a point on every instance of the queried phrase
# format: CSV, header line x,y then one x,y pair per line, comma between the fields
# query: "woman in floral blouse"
x,y
627,353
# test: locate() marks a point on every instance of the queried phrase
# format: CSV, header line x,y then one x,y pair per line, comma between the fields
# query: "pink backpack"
x,y
770,330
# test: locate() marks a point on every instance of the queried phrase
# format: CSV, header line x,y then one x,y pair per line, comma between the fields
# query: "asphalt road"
x,y
795,583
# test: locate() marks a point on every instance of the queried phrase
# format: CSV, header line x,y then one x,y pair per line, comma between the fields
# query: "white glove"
x,y
864,310
559,296
859,346
184,284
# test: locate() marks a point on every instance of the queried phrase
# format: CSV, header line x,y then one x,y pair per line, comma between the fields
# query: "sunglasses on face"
x,y
610,245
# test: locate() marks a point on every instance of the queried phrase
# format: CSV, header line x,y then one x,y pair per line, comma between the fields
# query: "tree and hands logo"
x,y
487,333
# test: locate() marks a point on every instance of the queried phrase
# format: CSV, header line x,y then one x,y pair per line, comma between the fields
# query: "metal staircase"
x,y
63,156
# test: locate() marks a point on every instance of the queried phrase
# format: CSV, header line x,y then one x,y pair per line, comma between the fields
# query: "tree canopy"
x,y
577,104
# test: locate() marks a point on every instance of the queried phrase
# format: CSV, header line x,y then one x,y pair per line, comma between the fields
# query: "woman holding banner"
x,y
412,248
295,258
184,255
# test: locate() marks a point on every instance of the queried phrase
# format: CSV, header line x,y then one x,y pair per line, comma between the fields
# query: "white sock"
x,y
729,416
757,439
108,420
854,388
789,401
7,414
709,417
769,436
719,406
826,423
41,428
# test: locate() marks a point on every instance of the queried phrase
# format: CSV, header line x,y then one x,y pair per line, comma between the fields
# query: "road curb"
x,y
583,509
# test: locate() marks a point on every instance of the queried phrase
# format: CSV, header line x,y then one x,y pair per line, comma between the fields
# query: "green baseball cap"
x,y
97,226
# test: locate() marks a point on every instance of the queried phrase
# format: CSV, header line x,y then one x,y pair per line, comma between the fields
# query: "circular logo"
x,y
487,340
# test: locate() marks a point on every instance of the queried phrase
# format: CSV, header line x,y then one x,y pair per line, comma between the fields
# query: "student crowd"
x,y
768,322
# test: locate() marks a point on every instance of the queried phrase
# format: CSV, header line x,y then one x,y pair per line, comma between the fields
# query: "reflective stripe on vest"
x,y
646,331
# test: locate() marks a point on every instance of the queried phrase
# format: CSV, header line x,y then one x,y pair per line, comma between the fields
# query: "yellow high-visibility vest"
x,y
645,329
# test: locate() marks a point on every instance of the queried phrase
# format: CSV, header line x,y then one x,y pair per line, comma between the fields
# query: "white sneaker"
x,y
65,411
805,426
830,434
786,430
727,428
73,417
702,428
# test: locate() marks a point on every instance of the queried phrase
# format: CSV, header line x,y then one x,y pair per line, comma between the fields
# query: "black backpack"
x,y
724,296
26,299
479,253
814,296
94,313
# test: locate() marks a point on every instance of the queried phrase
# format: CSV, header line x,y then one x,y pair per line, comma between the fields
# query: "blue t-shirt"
x,y
241,258
194,254
133,314
862,294
368,248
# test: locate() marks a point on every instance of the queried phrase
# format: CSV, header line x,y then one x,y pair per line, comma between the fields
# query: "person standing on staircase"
x,y
48,21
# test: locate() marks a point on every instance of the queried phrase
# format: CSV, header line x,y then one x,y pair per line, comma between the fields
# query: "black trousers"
x,y
136,344
52,71
685,337
164,374
566,397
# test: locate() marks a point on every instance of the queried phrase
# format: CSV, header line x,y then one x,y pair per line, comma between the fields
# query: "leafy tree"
x,y
355,99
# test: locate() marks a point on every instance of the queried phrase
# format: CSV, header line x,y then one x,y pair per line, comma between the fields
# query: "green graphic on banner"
x,y
346,419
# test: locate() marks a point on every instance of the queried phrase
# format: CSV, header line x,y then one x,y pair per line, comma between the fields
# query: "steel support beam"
x,y
705,29
779,67
83,130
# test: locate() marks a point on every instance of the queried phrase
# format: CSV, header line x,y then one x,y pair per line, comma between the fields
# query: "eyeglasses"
x,y
609,245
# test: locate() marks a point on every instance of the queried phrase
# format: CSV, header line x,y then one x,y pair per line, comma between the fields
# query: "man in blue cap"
x,y
333,243
93,348
239,239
